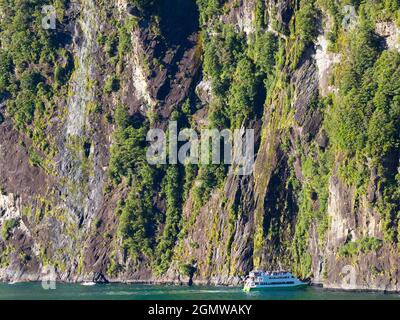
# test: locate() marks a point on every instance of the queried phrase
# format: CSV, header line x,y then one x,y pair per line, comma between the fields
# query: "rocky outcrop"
x,y
375,269
391,33
242,17
325,61
99,278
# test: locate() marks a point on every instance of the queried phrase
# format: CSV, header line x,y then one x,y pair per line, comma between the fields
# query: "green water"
x,y
23,291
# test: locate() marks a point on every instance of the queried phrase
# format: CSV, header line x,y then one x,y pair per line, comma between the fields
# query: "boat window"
x,y
279,283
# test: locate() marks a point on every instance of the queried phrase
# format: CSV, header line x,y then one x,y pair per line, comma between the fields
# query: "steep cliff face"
x,y
323,199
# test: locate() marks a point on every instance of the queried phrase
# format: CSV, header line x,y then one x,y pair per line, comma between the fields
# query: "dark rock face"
x,y
284,12
99,278
305,80
179,19
373,185
322,140
133,10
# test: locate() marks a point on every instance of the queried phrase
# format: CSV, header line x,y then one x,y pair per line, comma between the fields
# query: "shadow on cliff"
x,y
179,19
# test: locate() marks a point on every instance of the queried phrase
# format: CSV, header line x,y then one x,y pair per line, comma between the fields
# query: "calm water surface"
x,y
23,291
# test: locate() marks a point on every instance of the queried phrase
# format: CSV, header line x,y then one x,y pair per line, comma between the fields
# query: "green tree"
x,y
266,47
243,93
171,189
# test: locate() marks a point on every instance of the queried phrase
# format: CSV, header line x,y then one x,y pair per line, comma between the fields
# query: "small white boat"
x,y
260,280
90,283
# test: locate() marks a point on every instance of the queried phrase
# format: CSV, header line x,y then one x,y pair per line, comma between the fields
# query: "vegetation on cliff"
x,y
34,68
262,72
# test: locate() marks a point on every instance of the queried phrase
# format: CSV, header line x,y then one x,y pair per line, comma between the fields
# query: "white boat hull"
x,y
88,284
276,287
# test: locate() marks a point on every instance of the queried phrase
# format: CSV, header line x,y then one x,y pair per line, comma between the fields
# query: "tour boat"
x,y
260,280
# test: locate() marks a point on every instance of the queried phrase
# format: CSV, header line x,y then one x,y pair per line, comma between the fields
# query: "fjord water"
x,y
34,291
